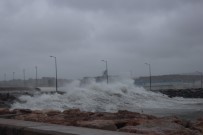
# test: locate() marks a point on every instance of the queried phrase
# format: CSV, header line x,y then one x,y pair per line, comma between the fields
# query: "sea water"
x,y
102,97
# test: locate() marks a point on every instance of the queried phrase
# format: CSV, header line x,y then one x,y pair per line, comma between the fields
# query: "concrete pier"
x,y
18,127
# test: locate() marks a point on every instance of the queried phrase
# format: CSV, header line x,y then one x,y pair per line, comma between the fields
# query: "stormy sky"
x,y
168,34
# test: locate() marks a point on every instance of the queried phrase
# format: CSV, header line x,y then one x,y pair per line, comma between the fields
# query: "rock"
x,y
127,114
22,111
37,112
174,119
32,117
72,111
53,112
57,120
76,114
98,124
134,129
159,127
123,121
136,121
198,125
120,123
4,111
103,116
150,131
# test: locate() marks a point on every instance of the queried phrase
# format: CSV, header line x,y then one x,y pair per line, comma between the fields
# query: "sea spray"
x,y
93,96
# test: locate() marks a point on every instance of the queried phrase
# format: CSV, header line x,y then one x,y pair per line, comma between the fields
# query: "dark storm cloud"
x,y
80,33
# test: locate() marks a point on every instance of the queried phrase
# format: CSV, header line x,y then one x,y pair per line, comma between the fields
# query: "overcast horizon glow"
x,y
126,33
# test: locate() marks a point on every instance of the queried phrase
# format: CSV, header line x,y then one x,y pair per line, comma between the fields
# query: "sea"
x,y
117,95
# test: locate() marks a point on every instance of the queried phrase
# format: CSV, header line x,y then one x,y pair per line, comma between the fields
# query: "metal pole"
x,y
150,76
13,78
5,79
56,72
13,75
36,81
24,77
201,80
201,74
107,76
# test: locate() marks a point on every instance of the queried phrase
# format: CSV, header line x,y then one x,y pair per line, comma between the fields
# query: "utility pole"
x,y
200,78
150,77
13,78
107,76
36,79
24,77
13,75
5,79
56,72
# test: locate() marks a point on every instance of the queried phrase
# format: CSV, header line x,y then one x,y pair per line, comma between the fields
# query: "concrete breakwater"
x,y
10,94
186,93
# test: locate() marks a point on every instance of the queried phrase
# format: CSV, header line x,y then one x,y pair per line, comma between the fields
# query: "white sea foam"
x,y
120,95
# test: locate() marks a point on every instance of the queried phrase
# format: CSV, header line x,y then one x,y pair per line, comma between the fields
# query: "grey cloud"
x,y
128,33
126,5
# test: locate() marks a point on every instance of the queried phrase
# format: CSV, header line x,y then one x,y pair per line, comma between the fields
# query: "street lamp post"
x,y
201,74
56,72
24,77
13,78
13,75
36,80
5,79
150,76
107,77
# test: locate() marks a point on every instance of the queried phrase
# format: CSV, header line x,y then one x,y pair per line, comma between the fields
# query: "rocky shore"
x,y
122,121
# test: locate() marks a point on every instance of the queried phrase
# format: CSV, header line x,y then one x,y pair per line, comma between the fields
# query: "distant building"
x,y
43,82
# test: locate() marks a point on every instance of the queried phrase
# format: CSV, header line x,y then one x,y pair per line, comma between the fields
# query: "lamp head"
x,y
104,60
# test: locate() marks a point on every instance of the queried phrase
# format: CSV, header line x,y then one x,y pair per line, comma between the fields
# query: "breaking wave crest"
x,y
120,95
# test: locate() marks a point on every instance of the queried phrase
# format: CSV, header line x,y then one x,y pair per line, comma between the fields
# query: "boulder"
x,y
98,124
22,111
53,113
32,117
136,121
198,125
123,121
159,127
72,111
4,111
